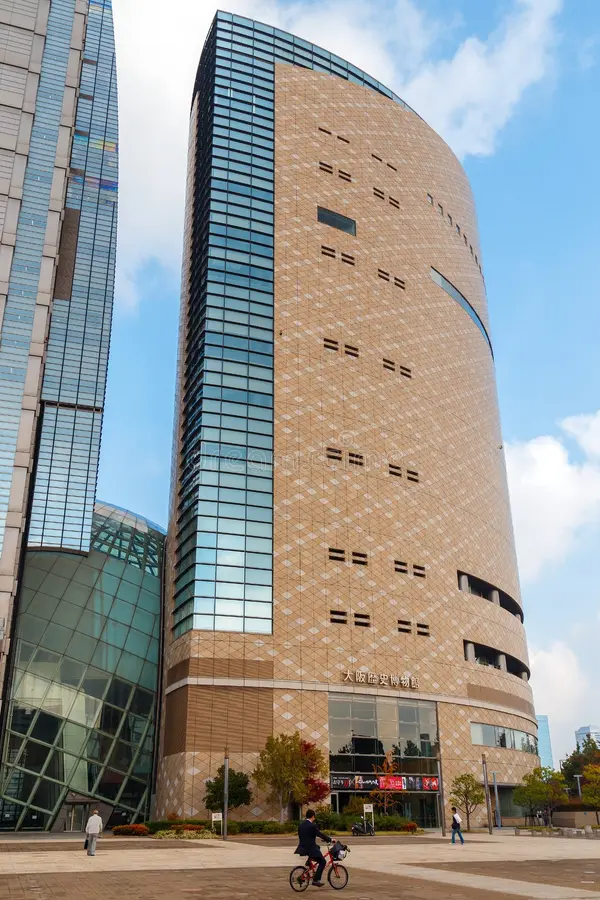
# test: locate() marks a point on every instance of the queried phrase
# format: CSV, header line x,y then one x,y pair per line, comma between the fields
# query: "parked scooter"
x,y
363,828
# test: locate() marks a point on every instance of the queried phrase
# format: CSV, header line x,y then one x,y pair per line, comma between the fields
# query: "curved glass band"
x,y
462,301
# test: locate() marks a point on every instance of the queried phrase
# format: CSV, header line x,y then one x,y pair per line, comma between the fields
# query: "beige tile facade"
x,y
441,423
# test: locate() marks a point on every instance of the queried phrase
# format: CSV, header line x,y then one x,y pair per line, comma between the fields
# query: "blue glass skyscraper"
x,y
544,742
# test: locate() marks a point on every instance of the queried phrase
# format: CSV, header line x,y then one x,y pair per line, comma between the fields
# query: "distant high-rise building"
x,y
592,731
58,226
544,742
341,560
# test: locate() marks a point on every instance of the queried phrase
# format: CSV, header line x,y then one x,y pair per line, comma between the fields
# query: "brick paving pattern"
x,y
580,873
218,884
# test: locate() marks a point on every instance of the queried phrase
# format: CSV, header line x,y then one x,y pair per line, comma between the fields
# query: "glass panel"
x,y
336,220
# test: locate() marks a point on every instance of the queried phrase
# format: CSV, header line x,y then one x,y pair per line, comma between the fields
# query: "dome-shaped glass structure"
x,y
79,724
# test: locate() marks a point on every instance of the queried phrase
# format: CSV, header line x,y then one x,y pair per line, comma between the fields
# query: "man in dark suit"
x,y
307,837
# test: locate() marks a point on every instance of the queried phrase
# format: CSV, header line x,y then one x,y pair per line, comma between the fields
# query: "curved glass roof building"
x,y
341,559
82,704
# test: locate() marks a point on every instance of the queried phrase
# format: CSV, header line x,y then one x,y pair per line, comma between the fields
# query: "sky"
x,y
513,87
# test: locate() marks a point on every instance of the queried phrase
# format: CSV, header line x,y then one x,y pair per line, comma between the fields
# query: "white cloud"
x,y
563,692
553,497
468,97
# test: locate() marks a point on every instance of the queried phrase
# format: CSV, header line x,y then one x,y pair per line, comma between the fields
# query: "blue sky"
x,y
513,86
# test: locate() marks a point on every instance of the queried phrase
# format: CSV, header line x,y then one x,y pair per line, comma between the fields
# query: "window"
x,y
333,453
338,617
499,736
337,555
326,167
362,620
350,350
430,199
411,475
399,282
462,301
345,176
348,258
401,566
378,158
406,371
383,274
393,202
418,571
379,193
389,364
336,220
404,626
449,219
324,130
356,459
359,559
440,209
330,344
395,470
422,629
328,251
390,166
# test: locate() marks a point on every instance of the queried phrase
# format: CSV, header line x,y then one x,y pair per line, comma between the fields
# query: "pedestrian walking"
x,y
456,823
93,829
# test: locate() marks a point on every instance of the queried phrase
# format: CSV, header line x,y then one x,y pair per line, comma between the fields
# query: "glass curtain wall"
x,y
225,502
83,695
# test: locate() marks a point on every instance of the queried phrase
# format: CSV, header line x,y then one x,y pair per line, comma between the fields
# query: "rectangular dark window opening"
x,y
411,475
330,344
333,453
336,554
338,616
418,571
389,364
363,620
359,559
393,168
336,220
404,370
349,350
347,258
326,167
430,199
400,566
324,130
345,176
381,273
400,283
379,194
328,251
404,626
395,470
378,158
357,459
422,629
393,202
343,139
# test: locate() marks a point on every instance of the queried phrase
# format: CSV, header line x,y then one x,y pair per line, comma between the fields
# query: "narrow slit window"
x,y
357,459
328,251
333,453
330,344
362,620
395,470
404,626
393,202
401,566
326,167
404,370
378,158
381,273
411,475
418,571
343,139
336,220
348,259
349,350
324,130
379,193
393,168
449,219
399,282
359,559
458,229
338,617
422,629
337,555
389,364
430,199
345,176
440,209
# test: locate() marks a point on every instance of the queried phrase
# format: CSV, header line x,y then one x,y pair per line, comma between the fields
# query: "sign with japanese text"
x,y
381,679
384,782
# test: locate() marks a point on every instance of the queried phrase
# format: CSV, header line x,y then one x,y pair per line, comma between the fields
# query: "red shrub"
x,y
411,826
134,830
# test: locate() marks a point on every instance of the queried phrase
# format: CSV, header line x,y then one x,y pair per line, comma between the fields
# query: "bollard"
x,y
588,829
517,832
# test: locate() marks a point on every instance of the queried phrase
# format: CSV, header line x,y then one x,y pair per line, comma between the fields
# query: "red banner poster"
x,y
392,783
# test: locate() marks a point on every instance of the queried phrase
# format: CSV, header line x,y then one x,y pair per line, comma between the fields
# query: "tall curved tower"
x,y
341,551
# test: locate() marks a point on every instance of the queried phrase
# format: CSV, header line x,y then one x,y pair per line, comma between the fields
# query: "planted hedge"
x,y
326,820
131,830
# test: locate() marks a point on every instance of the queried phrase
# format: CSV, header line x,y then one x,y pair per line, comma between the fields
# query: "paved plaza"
x,y
386,868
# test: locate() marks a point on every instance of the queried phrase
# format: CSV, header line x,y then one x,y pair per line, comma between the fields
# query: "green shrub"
x,y
169,824
391,823
232,827
172,834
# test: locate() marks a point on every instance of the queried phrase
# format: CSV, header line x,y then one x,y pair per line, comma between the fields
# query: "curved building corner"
x,y
341,557
80,713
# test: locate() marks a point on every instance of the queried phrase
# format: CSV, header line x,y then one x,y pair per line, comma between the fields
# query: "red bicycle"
x,y
337,876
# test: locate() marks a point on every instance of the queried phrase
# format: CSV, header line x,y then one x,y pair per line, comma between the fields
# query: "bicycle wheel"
x,y
299,879
338,877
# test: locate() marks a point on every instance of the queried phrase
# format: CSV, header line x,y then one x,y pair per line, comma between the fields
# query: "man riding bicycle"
x,y
308,833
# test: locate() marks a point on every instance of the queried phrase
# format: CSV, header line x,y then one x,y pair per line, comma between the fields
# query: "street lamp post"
x,y
498,814
578,777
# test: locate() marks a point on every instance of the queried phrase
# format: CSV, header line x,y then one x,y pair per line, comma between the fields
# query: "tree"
x,y
239,792
531,794
280,771
541,789
467,794
586,755
590,791
313,760
384,796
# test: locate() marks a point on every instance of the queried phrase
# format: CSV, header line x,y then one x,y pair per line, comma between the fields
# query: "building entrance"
x,y
77,816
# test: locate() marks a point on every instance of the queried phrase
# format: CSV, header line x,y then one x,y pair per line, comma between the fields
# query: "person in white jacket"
x,y
92,830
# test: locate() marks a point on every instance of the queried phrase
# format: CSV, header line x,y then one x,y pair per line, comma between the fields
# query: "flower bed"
x,y
131,830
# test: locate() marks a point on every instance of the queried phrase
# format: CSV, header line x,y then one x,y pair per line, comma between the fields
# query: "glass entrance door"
x,y
77,816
